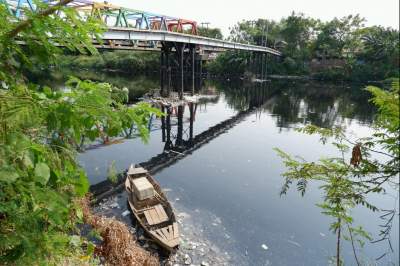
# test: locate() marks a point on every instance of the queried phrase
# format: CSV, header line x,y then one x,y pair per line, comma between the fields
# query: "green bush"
x,y
123,61
40,129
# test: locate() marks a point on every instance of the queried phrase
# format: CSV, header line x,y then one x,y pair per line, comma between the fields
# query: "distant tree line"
x,y
121,61
210,32
343,48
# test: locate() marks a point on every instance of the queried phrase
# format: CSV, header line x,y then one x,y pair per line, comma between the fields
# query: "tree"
x,y
339,37
295,31
40,129
210,32
378,56
298,30
259,32
348,183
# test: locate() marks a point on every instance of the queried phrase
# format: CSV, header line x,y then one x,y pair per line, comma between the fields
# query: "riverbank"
x,y
127,62
116,244
195,247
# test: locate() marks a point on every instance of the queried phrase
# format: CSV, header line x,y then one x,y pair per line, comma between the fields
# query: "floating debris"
x,y
114,205
188,259
294,243
265,247
126,213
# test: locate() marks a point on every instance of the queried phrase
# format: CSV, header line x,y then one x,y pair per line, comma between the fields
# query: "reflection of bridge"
x,y
172,152
180,142
176,38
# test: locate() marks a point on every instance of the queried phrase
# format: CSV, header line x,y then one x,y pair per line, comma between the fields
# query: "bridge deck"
x,y
132,34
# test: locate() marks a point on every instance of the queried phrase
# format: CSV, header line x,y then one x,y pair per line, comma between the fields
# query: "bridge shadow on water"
x,y
178,134
292,103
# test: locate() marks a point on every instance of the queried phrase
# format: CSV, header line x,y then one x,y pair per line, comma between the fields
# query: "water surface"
x,y
230,186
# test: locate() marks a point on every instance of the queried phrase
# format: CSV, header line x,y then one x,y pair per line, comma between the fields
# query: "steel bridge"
x,y
177,39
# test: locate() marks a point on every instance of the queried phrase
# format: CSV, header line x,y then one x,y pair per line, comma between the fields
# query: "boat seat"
x,y
169,235
156,215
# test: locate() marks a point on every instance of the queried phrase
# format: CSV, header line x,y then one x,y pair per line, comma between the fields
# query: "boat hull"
x,y
166,233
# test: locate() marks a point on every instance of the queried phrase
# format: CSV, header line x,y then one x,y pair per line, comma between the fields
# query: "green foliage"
x,y
210,32
347,184
39,174
338,37
124,61
69,31
340,49
136,86
40,129
112,172
230,62
378,56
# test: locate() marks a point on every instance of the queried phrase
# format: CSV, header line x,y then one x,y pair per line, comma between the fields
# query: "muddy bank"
x,y
195,248
113,241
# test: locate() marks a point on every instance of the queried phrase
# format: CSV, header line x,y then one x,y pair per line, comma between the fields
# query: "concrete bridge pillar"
x,y
186,63
165,70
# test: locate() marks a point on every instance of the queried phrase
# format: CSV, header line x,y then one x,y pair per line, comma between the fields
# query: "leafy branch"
x,y
346,184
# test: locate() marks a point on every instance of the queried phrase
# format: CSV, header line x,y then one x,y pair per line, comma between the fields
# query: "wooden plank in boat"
x,y
161,213
173,242
157,234
171,232
160,233
156,215
138,171
166,233
176,230
148,217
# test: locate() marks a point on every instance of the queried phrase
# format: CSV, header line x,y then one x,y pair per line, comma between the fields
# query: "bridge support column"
x,y
162,72
262,66
165,70
200,72
181,52
168,142
179,136
163,124
193,55
168,73
191,109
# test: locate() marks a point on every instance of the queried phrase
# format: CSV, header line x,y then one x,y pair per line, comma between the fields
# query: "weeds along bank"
x,y
40,130
129,62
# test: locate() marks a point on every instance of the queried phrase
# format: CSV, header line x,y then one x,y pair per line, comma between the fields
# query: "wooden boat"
x,y
154,213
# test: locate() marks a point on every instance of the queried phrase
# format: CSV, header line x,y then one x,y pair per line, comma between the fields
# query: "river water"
x,y
226,191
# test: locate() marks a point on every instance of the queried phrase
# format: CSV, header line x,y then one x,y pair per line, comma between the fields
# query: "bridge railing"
x,y
130,26
113,15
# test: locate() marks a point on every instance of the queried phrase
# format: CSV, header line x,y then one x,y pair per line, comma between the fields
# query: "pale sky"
x,y
224,14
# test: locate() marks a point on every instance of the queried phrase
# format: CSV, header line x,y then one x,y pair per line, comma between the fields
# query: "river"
x,y
226,191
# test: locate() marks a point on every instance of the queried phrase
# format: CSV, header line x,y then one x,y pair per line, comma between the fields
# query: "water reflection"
x,y
224,104
182,138
303,102
137,85
233,174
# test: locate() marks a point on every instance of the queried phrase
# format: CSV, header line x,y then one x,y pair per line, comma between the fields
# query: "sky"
x,y
225,14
